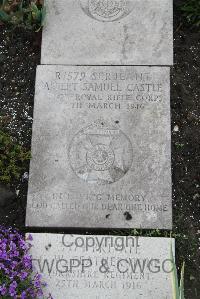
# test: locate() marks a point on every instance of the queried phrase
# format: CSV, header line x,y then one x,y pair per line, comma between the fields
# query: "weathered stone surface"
x,y
104,267
101,148
122,32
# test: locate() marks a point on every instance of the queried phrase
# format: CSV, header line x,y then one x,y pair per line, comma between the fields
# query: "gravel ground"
x,y
19,55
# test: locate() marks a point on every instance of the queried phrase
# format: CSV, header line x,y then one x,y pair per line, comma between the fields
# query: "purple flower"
x,y
3,255
3,290
27,261
16,267
23,244
12,246
37,282
30,238
23,275
23,295
12,288
14,264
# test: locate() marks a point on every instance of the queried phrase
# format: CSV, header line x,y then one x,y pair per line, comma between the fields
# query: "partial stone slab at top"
x,y
104,267
99,32
101,148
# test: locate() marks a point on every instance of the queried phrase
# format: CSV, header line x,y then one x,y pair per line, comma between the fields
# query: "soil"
x,y
19,56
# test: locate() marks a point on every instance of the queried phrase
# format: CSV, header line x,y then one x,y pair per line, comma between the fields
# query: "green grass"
x,y
191,10
177,287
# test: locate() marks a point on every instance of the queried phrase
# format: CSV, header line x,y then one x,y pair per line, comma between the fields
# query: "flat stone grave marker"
x,y
104,267
101,148
99,32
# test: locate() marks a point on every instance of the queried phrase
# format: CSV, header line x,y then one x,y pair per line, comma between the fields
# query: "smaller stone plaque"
x,y
107,32
104,267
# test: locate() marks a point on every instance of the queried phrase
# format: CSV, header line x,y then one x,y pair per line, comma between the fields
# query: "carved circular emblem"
x,y
107,10
100,157
100,153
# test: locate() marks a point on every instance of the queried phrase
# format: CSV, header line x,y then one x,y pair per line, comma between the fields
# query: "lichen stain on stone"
x,y
48,246
128,216
55,6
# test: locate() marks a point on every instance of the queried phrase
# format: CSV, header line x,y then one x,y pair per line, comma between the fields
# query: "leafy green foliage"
x,y
149,233
27,14
191,10
177,288
13,159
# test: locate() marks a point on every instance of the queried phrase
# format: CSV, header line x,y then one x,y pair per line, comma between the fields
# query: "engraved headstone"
x,y
104,267
101,148
101,32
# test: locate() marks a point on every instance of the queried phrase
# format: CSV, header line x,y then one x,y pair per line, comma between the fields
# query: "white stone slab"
x,y
104,267
101,148
99,32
